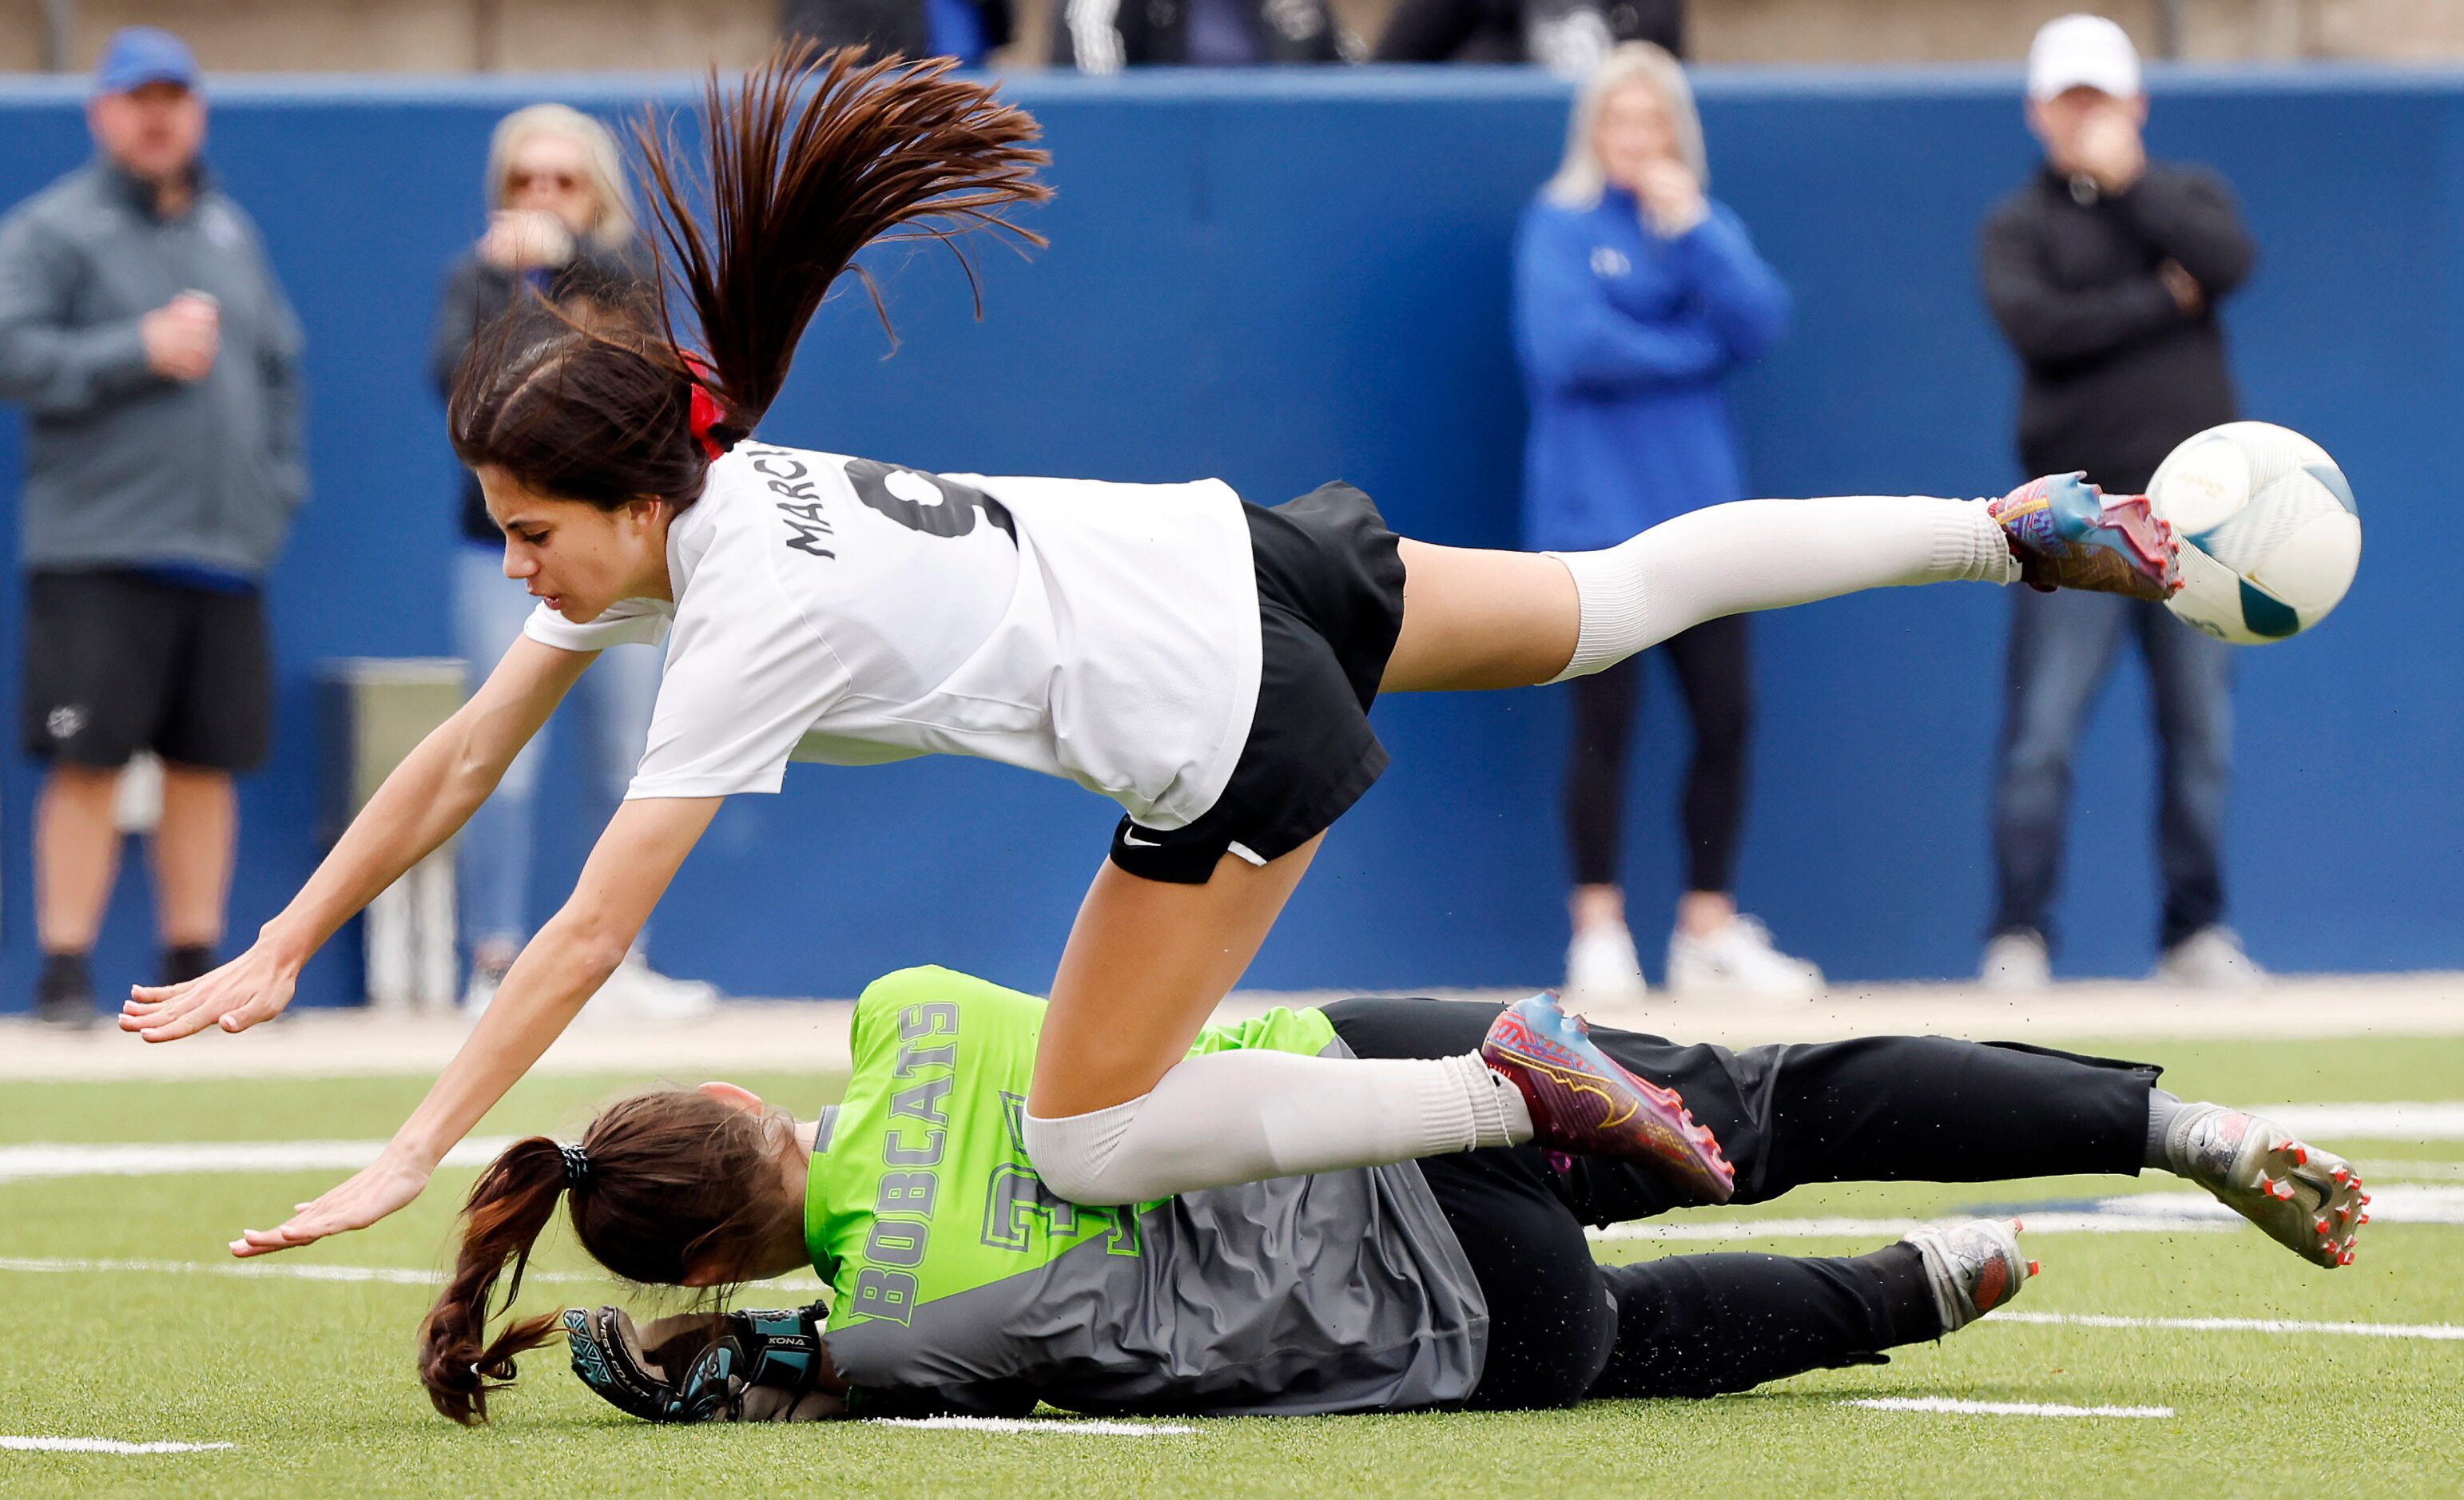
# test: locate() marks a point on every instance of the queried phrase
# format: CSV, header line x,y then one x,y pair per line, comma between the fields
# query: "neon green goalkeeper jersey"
x,y
960,1283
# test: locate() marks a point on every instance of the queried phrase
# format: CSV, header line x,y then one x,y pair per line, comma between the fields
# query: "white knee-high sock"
x,y
1243,1117
1726,559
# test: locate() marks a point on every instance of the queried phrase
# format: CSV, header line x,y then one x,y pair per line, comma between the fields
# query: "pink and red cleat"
x,y
1582,1103
2067,534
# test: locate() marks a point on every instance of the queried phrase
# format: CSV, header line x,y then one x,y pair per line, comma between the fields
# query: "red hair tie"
x,y
706,412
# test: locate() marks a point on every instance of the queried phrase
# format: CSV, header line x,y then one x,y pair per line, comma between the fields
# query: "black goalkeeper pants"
x,y
1876,1109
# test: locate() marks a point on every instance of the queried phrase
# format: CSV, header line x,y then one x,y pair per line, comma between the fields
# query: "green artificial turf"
x,y
311,1380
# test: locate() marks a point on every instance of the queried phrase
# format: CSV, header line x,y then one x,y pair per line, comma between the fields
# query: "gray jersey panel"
x,y
1340,1293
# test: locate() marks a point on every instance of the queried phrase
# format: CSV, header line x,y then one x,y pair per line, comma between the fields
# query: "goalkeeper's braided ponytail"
x,y
676,1182
512,1203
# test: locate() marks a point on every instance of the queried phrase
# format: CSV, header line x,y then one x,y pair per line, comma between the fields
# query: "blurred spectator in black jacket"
x,y
967,29
2104,270
1570,37
1107,35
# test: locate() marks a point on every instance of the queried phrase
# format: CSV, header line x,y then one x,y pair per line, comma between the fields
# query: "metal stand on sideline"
x,y
372,711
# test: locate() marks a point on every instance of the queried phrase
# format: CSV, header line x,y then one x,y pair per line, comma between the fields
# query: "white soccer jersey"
x,y
843,610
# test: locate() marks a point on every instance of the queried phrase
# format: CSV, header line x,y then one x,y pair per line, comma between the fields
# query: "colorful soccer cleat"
x,y
1582,1103
2067,535
1972,1268
2307,1200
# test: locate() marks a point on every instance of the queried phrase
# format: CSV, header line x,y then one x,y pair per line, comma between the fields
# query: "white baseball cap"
x,y
2083,51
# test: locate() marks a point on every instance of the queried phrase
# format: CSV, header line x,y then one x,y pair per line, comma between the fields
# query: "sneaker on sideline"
x,y
1738,959
2210,959
2016,963
1602,966
482,988
638,992
64,993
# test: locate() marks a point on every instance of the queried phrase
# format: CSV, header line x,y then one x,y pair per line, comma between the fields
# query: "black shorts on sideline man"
x,y
121,660
1330,608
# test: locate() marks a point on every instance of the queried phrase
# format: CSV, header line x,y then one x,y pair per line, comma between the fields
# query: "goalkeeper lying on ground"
x,y
959,1284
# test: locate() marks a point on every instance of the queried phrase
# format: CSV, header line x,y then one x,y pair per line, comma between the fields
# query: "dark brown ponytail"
x,y
813,156
664,1182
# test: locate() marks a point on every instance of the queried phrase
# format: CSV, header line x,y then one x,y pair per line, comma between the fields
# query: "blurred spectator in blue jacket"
x,y
1635,296
561,227
1568,37
967,29
1107,36
158,360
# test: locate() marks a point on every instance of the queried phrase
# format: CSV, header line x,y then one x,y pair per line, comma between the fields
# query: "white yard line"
x,y
2325,1125
1097,1429
103,1445
2445,1331
314,1270
1998,1408
189,1158
300,1270
2125,1213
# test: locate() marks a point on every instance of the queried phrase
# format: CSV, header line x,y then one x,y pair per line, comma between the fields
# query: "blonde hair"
x,y
1581,178
617,226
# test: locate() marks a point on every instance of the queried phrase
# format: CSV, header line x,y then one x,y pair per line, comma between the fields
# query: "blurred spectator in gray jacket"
x,y
1568,37
561,229
158,362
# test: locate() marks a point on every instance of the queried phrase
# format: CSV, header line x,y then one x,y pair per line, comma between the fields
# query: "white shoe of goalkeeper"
x,y
1737,959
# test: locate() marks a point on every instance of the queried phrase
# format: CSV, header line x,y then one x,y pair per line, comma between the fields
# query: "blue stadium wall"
x,y
1283,279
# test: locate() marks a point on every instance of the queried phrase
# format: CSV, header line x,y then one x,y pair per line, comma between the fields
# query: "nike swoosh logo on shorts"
x,y
1135,842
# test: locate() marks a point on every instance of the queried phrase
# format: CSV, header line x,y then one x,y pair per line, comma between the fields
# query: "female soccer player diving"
x,y
959,1284
1206,662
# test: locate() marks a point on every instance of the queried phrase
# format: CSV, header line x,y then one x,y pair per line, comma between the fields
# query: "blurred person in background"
x,y
967,29
561,225
1634,297
2105,270
158,360
1568,37
1107,35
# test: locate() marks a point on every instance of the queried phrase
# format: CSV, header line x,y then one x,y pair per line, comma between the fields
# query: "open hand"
x,y
376,1190
252,987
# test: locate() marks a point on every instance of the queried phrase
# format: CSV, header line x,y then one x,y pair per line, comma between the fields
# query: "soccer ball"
x,y
2269,534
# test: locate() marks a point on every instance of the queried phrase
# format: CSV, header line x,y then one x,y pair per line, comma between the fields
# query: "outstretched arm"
x,y
425,801
561,968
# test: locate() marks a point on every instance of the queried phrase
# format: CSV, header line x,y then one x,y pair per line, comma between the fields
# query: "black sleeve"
x,y
1000,23
468,301
603,275
2045,322
1661,21
1427,31
2190,215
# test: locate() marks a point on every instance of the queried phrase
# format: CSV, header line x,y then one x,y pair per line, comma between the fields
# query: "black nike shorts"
x,y
118,662
1329,607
